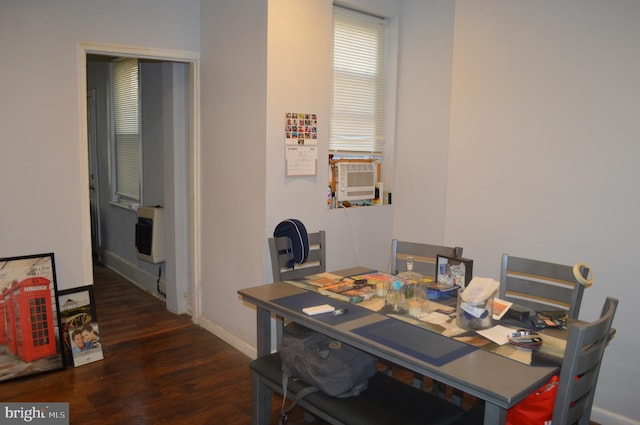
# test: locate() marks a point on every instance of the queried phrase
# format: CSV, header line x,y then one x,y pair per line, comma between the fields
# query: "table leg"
x,y
261,393
494,414
263,332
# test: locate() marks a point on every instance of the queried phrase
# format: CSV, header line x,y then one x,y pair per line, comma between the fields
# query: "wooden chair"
x,y
424,256
540,285
578,373
280,251
581,367
424,262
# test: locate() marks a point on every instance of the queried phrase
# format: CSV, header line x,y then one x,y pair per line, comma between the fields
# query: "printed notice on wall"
x,y
301,143
301,160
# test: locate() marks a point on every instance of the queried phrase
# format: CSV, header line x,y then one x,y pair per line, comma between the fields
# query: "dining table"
x,y
485,371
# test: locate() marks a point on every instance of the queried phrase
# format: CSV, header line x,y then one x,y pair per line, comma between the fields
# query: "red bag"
x,y
536,408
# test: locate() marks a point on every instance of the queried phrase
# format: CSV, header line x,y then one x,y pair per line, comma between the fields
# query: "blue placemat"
x,y
415,341
309,299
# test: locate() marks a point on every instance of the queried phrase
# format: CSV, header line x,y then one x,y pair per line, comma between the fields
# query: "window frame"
x,y
124,194
360,74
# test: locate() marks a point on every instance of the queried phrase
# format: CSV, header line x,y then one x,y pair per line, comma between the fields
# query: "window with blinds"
x,y
126,113
357,101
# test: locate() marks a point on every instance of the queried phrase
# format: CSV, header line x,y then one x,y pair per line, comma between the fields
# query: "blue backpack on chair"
x,y
298,239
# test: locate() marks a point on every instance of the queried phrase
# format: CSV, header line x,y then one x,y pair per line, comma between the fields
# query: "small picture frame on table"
x,y
79,322
30,341
453,271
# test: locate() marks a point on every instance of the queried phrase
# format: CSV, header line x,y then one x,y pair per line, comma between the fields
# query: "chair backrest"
x,y
540,285
581,366
424,256
280,251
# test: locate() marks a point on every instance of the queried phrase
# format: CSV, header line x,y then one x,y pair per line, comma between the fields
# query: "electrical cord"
x,y
158,282
353,233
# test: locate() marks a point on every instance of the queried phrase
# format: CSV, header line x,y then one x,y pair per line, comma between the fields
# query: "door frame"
x,y
188,57
94,178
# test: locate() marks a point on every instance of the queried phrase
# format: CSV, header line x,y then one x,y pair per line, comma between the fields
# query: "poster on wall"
x,y
30,341
301,143
81,333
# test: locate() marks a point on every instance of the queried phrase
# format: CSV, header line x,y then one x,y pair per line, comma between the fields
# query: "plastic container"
x,y
474,315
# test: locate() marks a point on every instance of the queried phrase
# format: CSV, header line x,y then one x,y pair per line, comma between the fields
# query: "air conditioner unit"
x,y
355,181
150,234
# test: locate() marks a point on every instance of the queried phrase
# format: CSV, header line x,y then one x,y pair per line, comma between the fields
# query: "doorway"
x,y
111,225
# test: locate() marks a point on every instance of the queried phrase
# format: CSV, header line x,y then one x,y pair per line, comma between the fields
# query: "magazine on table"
x,y
350,289
319,280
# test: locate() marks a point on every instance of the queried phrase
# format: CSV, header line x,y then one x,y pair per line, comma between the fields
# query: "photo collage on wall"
x,y
301,128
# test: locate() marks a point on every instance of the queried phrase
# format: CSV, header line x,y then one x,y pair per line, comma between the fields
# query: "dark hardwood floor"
x,y
158,368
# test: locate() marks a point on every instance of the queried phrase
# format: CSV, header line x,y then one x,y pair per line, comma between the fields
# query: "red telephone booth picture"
x,y
30,340
35,332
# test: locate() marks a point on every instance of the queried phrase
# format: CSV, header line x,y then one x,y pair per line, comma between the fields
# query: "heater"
x,y
150,234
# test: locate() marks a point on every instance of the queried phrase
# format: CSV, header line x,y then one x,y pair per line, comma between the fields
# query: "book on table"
x,y
335,286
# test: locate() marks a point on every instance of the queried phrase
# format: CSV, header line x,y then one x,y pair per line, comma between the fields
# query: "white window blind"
x,y
126,105
357,101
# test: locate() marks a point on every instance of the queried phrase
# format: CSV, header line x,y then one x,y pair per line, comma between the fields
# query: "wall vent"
x,y
150,234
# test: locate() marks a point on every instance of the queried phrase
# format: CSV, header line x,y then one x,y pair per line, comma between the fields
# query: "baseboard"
x,y
139,277
607,417
228,337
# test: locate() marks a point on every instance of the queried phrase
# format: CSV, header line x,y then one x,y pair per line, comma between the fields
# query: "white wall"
x,y
44,204
424,93
232,163
543,154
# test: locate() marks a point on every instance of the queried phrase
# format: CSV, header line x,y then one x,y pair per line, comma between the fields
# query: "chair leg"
x,y
418,381
457,397
438,389
260,401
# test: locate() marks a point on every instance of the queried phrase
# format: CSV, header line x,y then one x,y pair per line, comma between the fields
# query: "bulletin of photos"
x,y
301,128
301,143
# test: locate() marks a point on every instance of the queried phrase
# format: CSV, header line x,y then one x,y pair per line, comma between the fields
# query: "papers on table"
x,y
434,317
498,334
500,307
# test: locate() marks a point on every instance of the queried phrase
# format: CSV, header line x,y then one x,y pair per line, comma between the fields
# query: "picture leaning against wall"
x,y
30,341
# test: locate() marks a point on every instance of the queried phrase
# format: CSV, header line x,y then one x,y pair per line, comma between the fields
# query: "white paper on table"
x,y
479,290
498,334
434,317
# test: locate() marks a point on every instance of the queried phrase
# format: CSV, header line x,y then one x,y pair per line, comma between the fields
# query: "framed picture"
x,y
453,271
30,337
79,323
